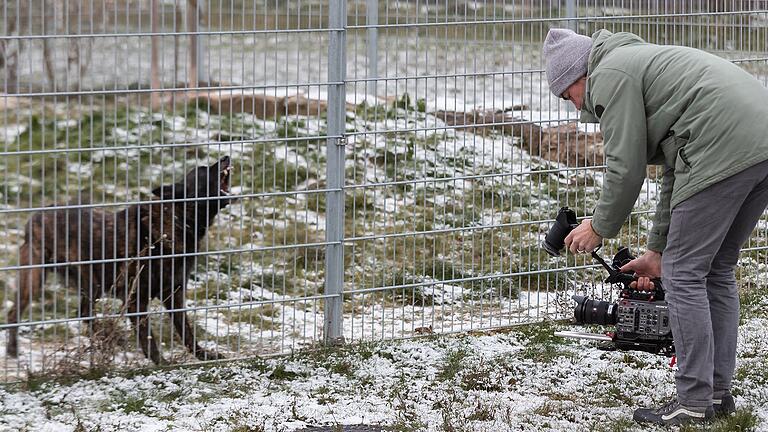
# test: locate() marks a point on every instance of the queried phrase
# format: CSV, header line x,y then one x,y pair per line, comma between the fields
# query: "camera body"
x,y
641,318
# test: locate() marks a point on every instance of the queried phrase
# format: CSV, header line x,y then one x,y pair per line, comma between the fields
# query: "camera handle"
x,y
615,276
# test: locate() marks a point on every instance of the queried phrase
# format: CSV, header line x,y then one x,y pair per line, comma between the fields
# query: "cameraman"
x,y
706,121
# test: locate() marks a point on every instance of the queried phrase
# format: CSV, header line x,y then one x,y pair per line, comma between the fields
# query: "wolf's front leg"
x,y
176,304
146,339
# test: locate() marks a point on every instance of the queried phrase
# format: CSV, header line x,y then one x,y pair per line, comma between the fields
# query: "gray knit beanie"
x,y
565,54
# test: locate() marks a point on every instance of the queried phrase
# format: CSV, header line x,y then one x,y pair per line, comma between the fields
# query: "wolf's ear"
x,y
167,191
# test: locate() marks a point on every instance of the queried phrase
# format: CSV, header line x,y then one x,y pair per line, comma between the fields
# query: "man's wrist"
x,y
594,231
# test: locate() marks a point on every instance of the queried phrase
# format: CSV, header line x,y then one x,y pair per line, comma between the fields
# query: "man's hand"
x,y
583,239
646,267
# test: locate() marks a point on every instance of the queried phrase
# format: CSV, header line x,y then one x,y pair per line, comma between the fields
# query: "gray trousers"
x,y
706,232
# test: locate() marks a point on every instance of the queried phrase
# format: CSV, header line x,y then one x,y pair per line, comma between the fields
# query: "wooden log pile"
x,y
563,143
263,106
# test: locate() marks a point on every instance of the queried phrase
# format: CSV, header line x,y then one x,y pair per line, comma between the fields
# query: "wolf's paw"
x,y
159,360
205,355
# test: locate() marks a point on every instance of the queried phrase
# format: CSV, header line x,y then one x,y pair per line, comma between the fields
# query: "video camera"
x,y
641,317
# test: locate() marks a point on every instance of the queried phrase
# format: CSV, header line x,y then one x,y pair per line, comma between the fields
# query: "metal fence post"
x,y
372,19
334,229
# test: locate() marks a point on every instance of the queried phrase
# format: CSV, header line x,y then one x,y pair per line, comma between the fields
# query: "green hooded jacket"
x,y
700,116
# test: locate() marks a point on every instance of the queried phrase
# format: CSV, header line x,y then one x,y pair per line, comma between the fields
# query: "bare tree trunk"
x,y
67,17
73,47
80,49
155,79
177,10
9,56
49,17
192,14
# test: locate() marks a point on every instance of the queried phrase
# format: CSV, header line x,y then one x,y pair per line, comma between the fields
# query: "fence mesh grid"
x,y
390,169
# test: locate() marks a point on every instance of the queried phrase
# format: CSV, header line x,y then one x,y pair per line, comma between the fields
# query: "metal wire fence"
x,y
369,170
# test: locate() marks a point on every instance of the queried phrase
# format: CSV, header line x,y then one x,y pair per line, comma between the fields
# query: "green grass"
x,y
132,404
541,333
545,353
454,363
50,171
483,375
477,253
752,370
39,381
246,428
381,112
174,395
407,417
262,317
261,171
59,304
744,420
461,387
619,425
451,256
342,360
632,360
541,343
110,174
752,302
280,373
324,395
548,185
356,202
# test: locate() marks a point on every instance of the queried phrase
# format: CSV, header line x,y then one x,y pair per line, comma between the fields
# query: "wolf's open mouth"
x,y
225,180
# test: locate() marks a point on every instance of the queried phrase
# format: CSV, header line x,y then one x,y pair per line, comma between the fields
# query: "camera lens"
x,y
554,241
588,311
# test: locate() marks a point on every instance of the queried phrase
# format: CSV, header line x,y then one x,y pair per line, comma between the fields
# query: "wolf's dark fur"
x,y
127,240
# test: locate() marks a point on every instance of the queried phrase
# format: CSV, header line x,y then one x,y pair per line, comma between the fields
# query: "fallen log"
x,y
564,143
263,106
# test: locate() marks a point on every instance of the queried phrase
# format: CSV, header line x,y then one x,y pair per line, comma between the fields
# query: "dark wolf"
x,y
143,252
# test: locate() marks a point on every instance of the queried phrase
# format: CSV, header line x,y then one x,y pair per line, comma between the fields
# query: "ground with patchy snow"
x,y
520,379
443,229
478,266
469,211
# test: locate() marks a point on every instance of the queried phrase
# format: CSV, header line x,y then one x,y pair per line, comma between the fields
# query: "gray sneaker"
x,y
725,405
673,414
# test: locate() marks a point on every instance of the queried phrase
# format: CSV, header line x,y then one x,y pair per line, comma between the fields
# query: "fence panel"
x,y
107,101
462,167
393,167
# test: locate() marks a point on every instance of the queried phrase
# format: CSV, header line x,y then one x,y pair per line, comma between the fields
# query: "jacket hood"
x,y
604,41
